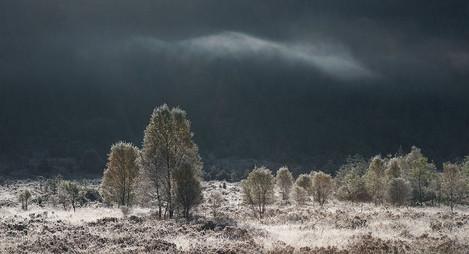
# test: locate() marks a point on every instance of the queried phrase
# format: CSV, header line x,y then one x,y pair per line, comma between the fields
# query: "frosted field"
x,y
338,227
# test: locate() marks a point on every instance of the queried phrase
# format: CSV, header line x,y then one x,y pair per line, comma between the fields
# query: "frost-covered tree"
x,y
299,195
24,198
215,201
409,160
354,190
284,181
375,179
355,166
120,174
147,186
305,182
349,180
452,184
322,187
393,169
258,189
398,191
167,143
377,166
187,186
420,174
464,167
436,186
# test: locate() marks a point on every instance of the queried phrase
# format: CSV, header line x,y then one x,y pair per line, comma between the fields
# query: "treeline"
x,y
403,179
406,179
167,171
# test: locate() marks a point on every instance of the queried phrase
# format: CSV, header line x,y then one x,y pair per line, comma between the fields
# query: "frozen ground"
x,y
337,227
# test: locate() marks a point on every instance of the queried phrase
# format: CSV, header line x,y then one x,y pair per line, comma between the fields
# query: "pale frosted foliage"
x,y
339,227
355,166
420,175
377,166
343,193
120,174
167,144
349,182
452,184
312,173
465,168
374,185
357,190
146,186
258,190
215,201
299,195
284,181
436,187
305,182
393,170
322,187
410,159
416,168
398,191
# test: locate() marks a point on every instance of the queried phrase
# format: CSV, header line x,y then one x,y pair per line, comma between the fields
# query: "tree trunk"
x,y
159,202
420,194
168,182
170,201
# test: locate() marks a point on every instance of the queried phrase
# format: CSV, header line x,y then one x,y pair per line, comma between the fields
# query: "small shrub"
x,y
215,200
24,198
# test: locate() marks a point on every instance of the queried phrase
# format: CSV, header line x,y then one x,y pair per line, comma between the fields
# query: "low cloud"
x,y
332,60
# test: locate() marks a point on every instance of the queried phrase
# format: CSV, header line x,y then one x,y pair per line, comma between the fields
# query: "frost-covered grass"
x,y
286,228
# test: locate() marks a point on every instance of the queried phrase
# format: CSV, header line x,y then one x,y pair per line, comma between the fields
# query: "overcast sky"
x,y
259,79
347,40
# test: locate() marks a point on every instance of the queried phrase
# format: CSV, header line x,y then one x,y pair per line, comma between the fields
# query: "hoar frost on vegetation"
x,y
285,227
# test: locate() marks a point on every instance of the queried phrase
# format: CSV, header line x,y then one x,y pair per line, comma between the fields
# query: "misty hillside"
x,y
302,83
